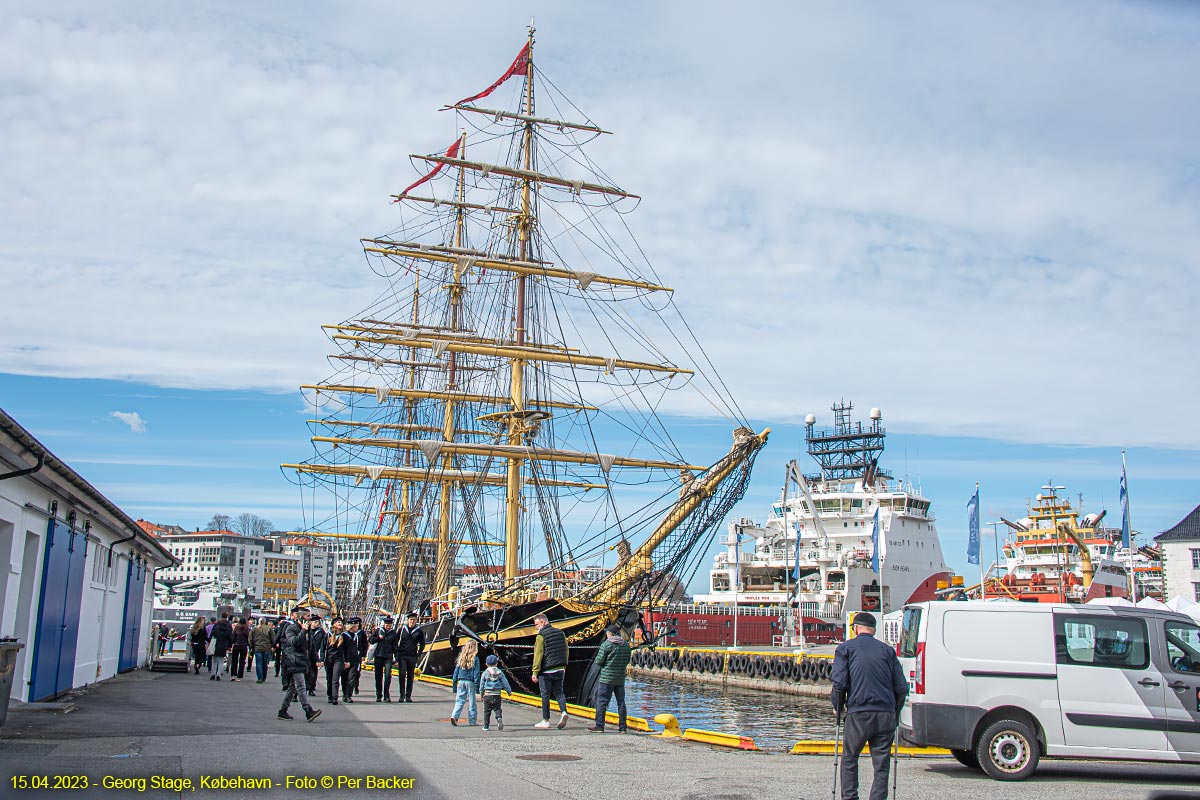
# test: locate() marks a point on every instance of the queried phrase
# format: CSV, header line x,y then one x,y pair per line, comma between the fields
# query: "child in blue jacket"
x,y
491,683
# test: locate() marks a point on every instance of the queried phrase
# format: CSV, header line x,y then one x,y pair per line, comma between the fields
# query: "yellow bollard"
x,y
670,726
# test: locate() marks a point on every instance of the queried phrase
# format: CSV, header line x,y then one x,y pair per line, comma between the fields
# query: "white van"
x,y
1003,684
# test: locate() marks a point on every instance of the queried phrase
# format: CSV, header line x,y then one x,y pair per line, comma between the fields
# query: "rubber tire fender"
x,y
806,669
1008,750
756,667
796,673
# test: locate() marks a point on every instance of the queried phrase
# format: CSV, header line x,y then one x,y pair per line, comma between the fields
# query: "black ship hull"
x,y
508,633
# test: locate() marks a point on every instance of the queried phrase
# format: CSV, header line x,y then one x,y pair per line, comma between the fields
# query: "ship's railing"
x,y
808,609
743,611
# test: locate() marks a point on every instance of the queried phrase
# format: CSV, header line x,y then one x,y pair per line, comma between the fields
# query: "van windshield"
x,y
908,632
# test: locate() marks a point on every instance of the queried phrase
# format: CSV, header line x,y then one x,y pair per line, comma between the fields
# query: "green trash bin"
x,y
8,664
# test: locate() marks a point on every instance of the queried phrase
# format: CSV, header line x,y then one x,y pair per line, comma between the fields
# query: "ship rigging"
x,y
499,410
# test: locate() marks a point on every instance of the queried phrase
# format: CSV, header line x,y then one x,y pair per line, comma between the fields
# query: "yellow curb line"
x,y
811,747
671,731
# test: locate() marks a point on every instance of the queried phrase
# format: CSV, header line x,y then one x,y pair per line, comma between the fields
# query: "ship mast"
x,y
516,421
404,515
445,555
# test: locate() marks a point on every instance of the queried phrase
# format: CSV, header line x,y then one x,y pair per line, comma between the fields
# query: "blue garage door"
x,y
131,625
58,612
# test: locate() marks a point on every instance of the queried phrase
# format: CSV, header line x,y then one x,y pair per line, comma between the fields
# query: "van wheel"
x,y
967,758
1008,750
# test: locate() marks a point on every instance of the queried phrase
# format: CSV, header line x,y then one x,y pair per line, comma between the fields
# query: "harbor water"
x,y
774,721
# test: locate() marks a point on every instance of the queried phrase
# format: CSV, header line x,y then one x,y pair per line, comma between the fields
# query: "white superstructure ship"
x,y
814,554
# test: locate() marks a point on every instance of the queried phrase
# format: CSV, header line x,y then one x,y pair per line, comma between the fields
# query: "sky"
x,y
983,218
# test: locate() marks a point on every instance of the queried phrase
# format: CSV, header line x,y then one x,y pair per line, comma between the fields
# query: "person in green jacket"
x,y
612,658
262,642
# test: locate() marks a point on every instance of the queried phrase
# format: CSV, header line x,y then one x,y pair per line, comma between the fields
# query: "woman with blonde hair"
x,y
466,678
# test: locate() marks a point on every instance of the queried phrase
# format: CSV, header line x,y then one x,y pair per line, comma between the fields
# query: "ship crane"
x,y
793,473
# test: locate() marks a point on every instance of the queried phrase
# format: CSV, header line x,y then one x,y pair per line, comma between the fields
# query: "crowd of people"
x,y
299,645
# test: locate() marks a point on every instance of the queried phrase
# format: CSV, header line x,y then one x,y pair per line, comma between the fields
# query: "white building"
x,y
1181,557
218,557
77,576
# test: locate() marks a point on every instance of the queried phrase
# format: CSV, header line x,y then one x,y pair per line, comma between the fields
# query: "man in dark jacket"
x,y
611,659
351,658
317,642
222,636
550,669
869,685
296,661
359,637
384,640
410,643
296,619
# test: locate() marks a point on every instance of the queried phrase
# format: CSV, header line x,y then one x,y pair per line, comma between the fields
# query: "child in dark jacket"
x,y
491,683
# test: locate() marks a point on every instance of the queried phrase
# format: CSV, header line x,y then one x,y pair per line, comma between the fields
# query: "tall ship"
x,y
1055,552
496,433
847,538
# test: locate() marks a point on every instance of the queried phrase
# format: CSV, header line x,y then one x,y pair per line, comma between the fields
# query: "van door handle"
x,y
1178,686
1148,682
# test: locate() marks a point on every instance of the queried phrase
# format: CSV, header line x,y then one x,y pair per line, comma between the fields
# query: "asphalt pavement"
x,y
157,735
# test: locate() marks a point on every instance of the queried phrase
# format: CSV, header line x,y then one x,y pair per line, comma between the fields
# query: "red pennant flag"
x,y
519,67
451,152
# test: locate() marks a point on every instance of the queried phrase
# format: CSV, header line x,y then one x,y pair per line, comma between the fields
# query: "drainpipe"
x,y
113,549
41,462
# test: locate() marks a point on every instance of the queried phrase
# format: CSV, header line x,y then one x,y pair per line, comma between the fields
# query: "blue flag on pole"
x,y
973,528
1124,510
796,569
875,541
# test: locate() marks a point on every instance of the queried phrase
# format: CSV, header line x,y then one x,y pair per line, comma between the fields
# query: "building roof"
x,y
44,458
184,537
151,528
1187,529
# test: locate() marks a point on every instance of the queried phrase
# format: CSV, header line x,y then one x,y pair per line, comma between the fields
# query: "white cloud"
x,y
982,219
131,418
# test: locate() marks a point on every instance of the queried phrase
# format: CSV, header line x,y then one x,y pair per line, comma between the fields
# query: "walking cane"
x,y
837,756
895,760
